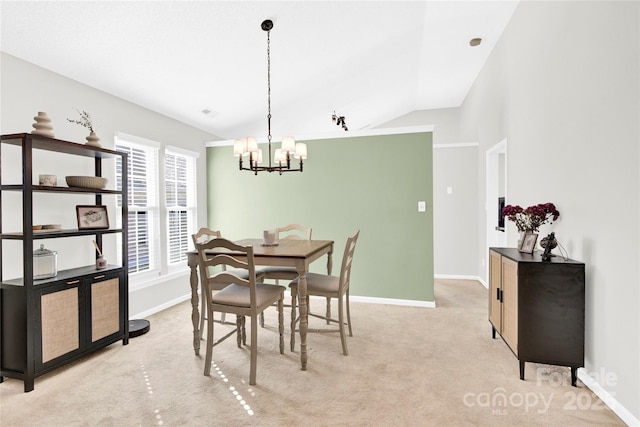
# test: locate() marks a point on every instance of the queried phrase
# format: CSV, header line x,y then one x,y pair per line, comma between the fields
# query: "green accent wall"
x,y
371,183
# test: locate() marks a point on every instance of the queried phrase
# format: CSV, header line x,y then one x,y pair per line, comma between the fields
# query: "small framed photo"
x,y
92,216
528,243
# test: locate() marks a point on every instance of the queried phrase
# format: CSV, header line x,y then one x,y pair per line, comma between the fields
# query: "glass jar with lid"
x,y
45,263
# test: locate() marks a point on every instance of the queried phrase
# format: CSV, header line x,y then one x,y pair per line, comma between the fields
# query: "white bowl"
x,y
95,182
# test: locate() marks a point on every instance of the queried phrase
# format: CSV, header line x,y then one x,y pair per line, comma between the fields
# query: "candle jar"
x,y
101,262
45,263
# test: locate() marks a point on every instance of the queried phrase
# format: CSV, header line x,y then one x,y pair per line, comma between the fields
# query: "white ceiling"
x,y
370,61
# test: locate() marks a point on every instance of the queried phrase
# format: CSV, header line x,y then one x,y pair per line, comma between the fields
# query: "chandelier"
x,y
282,156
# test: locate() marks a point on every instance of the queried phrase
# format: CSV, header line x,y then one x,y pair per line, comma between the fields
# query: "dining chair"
x,y
290,232
242,296
204,235
328,286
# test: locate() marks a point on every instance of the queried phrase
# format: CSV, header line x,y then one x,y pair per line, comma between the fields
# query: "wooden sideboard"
x,y
537,307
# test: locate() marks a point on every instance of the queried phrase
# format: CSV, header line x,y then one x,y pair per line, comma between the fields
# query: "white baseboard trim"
x,y
607,398
461,277
393,301
370,300
160,307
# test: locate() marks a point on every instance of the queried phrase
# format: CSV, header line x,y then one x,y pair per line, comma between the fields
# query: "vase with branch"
x,y
87,122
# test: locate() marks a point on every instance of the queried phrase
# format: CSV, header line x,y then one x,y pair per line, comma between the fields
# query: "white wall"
x,y
455,237
27,89
562,85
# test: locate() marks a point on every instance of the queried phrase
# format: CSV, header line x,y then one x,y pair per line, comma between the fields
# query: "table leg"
x,y
304,317
195,314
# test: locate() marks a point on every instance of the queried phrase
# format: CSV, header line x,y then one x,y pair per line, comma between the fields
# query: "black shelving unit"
x,y
45,324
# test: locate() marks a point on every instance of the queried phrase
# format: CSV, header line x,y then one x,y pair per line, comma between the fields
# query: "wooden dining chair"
x,y
242,296
330,287
291,232
203,235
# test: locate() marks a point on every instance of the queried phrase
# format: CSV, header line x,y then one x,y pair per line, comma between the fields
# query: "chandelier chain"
x,y
269,90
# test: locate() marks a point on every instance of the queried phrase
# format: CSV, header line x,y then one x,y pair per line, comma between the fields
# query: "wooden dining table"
x,y
298,254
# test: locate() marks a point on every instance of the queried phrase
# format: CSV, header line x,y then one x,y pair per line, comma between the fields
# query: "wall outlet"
x,y
422,206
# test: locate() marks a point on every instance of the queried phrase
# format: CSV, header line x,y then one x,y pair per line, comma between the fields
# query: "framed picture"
x,y
92,216
528,243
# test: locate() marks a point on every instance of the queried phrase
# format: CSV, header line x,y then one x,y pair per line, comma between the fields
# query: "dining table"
x,y
295,253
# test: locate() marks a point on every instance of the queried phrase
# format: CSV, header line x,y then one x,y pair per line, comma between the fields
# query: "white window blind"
x,y
180,194
142,188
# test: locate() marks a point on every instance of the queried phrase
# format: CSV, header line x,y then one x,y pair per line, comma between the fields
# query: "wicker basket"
x,y
95,182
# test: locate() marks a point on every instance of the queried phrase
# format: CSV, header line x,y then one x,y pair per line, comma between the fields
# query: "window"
x,y
180,194
142,187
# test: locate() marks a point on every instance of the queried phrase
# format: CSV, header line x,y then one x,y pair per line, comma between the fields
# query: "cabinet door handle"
x,y
98,277
501,295
73,282
498,294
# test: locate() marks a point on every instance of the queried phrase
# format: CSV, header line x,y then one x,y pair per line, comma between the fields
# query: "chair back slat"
x,y
226,278
293,232
205,234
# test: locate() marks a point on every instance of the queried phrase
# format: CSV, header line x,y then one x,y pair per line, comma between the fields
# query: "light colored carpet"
x,y
407,367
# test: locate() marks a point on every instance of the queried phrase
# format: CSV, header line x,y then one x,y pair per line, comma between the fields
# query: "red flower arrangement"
x,y
530,219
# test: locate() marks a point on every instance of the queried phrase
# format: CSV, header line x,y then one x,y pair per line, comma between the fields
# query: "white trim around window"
x,y
180,203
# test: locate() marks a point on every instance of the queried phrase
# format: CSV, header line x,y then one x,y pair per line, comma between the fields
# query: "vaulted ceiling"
x,y
370,61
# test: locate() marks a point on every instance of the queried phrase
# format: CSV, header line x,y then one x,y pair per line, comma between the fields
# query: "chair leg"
x,y
207,360
281,323
328,315
238,330
294,300
203,316
262,312
343,337
254,350
349,314
203,308
244,330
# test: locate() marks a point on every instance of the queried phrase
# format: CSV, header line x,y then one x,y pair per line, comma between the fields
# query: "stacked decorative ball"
x,y
42,125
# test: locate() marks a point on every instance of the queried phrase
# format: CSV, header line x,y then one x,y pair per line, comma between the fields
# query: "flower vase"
x,y
92,140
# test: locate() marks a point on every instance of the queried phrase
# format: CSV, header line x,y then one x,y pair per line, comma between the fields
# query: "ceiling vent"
x,y
209,112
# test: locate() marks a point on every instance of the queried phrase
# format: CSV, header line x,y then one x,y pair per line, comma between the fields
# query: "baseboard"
x,y
461,277
393,301
354,298
370,300
160,307
607,398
